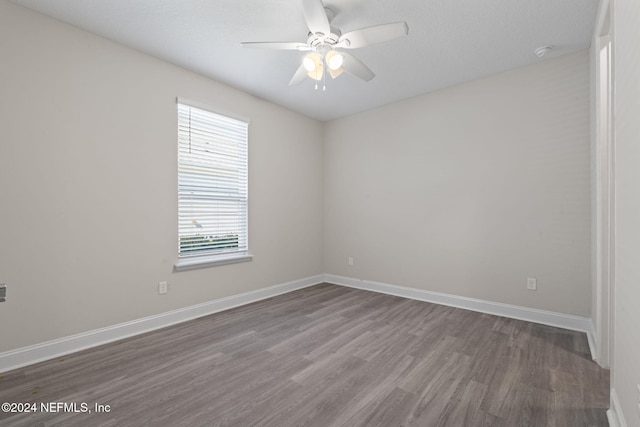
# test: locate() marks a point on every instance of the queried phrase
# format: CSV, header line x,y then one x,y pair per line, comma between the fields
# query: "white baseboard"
x,y
48,350
591,339
615,414
550,318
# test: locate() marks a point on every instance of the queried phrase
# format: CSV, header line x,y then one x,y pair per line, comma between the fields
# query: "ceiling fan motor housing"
x,y
319,39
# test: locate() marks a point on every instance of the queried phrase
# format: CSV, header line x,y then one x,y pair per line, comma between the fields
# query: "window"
x,y
212,188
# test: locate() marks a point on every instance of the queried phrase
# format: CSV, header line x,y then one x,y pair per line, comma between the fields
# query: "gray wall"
x,y
469,190
88,184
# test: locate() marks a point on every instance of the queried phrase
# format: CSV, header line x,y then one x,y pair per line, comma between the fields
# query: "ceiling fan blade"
x,y
278,45
354,66
299,76
316,16
372,35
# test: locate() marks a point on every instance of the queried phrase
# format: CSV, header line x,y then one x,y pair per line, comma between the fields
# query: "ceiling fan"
x,y
326,43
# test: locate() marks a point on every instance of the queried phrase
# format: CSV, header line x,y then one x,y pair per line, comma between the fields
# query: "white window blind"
x,y
212,183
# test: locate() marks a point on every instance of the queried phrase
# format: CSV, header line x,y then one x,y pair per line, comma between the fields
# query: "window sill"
x,y
194,263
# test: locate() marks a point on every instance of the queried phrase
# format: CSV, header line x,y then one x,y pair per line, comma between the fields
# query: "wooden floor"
x,y
325,356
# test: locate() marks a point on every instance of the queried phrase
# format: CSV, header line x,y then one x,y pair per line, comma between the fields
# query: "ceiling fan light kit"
x,y
313,64
324,41
334,60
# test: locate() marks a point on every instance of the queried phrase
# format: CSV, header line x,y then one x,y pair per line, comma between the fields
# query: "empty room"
x,y
320,213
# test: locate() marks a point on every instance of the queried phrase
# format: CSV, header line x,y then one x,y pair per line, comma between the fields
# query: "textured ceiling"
x,y
449,42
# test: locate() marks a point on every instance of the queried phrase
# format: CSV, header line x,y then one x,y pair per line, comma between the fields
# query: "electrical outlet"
x,y
163,288
3,292
532,284
350,260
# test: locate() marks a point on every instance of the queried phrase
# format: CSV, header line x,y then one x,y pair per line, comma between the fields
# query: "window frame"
x,y
210,259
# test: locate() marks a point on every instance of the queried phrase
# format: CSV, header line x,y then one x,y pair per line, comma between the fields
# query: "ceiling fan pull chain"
x,y
324,82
